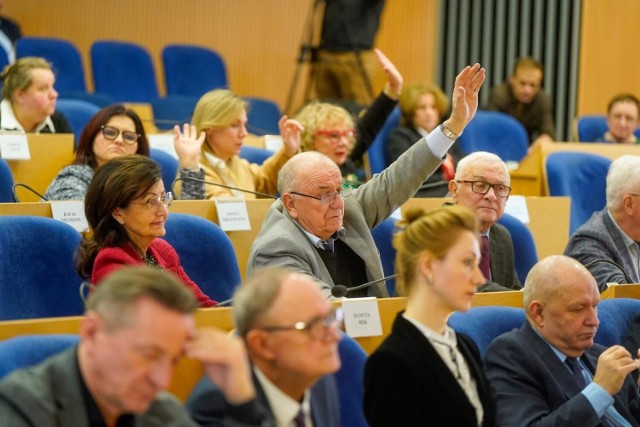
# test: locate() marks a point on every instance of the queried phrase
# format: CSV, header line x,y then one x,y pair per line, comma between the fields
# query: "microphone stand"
x,y
186,178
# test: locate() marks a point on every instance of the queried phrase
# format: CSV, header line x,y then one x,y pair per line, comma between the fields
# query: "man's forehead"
x,y
482,170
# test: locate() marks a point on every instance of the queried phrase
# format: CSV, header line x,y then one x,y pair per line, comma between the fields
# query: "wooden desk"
x,y
549,220
529,178
622,291
49,154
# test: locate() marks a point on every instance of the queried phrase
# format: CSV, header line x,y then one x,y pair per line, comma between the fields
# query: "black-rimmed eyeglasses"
x,y
482,187
111,133
316,328
328,198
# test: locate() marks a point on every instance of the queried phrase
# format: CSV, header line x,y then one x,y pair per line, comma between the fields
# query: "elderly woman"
x,y
623,115
29,99
422,107
330,129
126,207
424,373
219,124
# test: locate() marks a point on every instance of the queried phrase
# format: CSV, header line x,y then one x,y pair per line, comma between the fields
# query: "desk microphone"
x,y
340,291
608,261
187,178
15,195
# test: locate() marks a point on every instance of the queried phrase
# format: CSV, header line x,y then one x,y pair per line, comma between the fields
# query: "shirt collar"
x,y
8,119
215,161
317,242
628,241
284,408
448,338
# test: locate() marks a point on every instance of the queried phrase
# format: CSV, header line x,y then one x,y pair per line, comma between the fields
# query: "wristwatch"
x,y
449,133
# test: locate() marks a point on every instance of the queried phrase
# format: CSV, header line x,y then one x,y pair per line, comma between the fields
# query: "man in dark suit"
x,y
138,323
550,372
289,329
482,184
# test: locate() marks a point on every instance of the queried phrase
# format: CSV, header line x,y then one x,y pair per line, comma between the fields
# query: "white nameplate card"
x,y
71,213
517,206
233,215
273,142
14,146
362,317
163,142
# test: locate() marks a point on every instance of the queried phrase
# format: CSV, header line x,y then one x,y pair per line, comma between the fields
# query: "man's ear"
x,y
453,188
259,344
536,312
289,205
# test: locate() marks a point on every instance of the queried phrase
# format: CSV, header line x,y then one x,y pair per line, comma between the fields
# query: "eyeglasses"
x,y
155,201
335,135
112,133
316,328
482,187
328,198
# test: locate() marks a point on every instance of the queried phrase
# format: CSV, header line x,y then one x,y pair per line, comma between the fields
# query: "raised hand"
x,y
291,131
465,97
394,79
187,146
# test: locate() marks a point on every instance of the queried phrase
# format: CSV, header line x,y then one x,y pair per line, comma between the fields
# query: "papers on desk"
x,y
517,206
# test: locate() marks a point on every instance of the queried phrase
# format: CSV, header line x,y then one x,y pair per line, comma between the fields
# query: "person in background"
x,y
422,108
330,129
126,207
290,332
138,324
29,98
623,115
9,35
424,373
211,150
522,97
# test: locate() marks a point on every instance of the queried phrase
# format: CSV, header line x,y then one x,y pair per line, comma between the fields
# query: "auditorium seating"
x,y
29,350
615,316
590,128
78,113
524,247
192,70
350,380
168,164
6,182
383,236
377,152
173,110
497,133
262,116
254,154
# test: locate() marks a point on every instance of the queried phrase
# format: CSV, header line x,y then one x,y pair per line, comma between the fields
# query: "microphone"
x,y
187,178
608,261
224,303
15,195
340,291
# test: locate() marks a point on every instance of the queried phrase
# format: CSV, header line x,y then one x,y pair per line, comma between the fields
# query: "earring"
x,y
429,280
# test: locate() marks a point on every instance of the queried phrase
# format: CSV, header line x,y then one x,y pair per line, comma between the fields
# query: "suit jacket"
x,y
599,238
282,242
502,262
533,387
207,405
49,395
406,383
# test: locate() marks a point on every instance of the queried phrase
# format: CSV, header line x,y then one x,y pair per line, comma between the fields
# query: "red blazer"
x,y
112,258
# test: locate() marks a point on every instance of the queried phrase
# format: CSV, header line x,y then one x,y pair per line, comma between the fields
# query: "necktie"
x,y
576,371
485,257
300,419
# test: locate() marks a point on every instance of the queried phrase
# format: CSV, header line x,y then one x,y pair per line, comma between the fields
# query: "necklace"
x,y
148,259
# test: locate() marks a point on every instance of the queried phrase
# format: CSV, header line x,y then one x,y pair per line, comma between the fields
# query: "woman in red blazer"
x,y
126,207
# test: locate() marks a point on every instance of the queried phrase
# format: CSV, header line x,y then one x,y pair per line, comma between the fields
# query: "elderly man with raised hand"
x,y
549,372
320,229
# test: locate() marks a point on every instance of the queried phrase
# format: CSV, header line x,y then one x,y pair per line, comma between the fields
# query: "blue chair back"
x,y
350,381
524,247
377,152
255,154
206,254
615,317
29,350
173,110
6,182
78,113
64,57
123,71
484,324
37,273
581,176
263,116
593,127
383,236
192,70
168,164
497,133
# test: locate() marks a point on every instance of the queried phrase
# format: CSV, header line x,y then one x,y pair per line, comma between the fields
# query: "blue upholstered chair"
x,y
192,70
37,274
255,154
263,116
123,71
581,176
377,152
484,324
168,164
524,247
206,254
497,133
350,380
6,182
78,113
173,110
592,127
29,350
383,236
615,316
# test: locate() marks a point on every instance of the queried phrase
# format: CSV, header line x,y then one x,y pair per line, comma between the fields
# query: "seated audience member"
x,y
549,372
422,108
289,330
220,119
330,129
29,99
126,208
623,113
9,35
138,324
321,229
607,243
424,373
522,97
482,184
